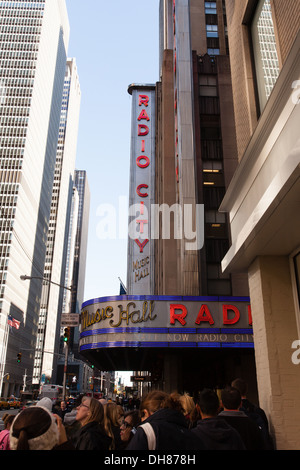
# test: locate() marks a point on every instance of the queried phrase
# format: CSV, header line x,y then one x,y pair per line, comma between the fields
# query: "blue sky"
x,y
115,43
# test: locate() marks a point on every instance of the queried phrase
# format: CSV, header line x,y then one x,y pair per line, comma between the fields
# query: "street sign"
x,y
70,319
140,378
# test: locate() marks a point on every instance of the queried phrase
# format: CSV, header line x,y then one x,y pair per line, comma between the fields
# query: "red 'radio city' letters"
x,y
142,162
143,99
143,115
178,312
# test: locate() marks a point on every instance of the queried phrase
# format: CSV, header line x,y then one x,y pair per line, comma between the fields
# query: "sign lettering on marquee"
x,y
178,313
159,321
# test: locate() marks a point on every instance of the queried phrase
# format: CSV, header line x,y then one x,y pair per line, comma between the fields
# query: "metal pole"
x,y
65,371
24,380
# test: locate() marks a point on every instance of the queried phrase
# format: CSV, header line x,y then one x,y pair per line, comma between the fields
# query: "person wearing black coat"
x,y
170,430
248,429
215,432
91,435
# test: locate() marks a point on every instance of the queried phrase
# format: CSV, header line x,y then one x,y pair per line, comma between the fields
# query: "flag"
x,y
13,322
122,288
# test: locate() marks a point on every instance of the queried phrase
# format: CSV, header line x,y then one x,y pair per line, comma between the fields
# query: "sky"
x,y
115,43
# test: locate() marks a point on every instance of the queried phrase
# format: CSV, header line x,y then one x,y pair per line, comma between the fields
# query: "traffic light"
x,y
19,357
66,335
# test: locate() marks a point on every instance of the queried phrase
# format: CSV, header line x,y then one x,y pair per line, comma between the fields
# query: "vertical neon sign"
x,y
141,191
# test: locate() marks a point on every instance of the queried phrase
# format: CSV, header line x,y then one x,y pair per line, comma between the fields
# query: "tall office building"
x,y
47,345
263,201
33,43
80,249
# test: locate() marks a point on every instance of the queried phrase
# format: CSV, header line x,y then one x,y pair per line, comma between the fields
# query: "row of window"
x,y
30,45
18,92
17,29
23,74
21,41
13,131
5,111
12,142
19,13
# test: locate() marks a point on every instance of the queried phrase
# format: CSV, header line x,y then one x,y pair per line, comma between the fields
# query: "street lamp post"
x,y
66,344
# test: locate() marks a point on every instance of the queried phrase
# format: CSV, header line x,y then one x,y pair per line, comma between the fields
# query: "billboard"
x,y
166,322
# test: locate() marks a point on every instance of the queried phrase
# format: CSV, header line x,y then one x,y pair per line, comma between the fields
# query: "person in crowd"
x,y
62,410
248,430
37,428
215,432
56,406
120,414
4,435
189,409
164,426
70,422
91,435
254,412
111,425
131,420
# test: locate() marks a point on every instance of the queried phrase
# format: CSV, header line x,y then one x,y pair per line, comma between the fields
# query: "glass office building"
x,y
33,51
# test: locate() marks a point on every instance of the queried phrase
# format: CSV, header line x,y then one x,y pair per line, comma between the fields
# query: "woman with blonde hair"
x,y
111,425
190,409
91,435
163,425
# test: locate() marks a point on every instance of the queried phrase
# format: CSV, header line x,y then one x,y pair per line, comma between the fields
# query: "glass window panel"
x,y
265,52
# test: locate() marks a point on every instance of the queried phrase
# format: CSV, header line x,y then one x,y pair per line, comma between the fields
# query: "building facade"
x,y
34,40
47,345
262,200
196,125
80,250
180,332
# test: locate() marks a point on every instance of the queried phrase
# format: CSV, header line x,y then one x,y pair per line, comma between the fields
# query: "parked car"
x,y
14,403
29,403
4,405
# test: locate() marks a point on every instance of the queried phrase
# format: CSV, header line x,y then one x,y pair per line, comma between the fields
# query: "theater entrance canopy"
x,y
126,332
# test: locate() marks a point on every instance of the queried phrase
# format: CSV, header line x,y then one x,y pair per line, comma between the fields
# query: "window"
x,y
264,51
211,8
212,31
212,51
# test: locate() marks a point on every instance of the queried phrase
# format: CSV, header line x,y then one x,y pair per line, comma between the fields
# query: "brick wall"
x,y
275,329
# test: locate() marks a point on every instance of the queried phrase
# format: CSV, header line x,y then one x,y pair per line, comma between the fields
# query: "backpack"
x,y
148,429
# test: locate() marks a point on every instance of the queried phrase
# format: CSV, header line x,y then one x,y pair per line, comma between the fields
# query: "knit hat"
x,y
37,427
46,402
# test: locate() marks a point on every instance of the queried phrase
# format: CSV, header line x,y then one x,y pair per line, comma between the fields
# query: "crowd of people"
x,y
163,421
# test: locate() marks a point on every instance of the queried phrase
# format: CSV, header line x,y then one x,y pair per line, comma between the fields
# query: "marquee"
x,y
166,322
